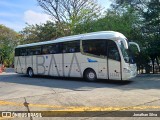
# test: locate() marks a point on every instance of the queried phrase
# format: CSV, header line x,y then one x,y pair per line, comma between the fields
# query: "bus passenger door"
x,y
114,61
102,70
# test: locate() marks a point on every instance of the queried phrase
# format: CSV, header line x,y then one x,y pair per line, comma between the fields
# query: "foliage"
x,y
37,33
70,13
148,12
151,30
113,21
8,40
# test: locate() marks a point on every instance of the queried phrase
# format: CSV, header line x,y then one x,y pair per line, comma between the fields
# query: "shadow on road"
x,y
140,82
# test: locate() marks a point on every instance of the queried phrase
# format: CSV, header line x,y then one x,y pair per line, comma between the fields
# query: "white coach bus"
x,y
97,55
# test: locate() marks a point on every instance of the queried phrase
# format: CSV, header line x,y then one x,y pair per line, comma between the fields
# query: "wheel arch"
x,y
89,68
28,69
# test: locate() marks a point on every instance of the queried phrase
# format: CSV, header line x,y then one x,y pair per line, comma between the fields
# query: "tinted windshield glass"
x,y
124,51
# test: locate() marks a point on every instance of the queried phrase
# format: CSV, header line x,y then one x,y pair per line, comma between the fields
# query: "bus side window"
x,y
45,50
55,48
51,49
17,52
22,52
34,50
29,51
113,52
71,47
37,50
94,47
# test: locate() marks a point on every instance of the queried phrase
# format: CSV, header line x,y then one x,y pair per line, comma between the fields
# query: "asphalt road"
x,y
41,93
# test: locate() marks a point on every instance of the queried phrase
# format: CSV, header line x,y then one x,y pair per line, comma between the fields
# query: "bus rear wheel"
x,y
30,72
90,75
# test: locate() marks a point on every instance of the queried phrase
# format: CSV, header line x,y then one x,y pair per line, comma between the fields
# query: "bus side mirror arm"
x,y
133,43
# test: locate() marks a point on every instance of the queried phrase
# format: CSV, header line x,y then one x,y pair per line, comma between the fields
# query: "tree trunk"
x,y
157,60
153,65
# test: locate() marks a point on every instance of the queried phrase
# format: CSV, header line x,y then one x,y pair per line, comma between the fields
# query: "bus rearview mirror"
x,y
133,43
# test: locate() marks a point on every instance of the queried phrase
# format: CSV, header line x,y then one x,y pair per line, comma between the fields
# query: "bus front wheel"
x,y
90,75
30,72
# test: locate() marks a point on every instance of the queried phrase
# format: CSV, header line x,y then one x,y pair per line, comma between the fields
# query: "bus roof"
x,y
93,35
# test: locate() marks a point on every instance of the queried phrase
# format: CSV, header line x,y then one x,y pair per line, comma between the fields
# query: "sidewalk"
x,y
146,75
8,70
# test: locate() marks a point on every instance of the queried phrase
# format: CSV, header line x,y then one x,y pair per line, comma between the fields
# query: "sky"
x,y
16,13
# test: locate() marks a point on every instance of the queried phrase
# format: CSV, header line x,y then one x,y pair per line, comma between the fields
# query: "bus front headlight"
x,y
126,70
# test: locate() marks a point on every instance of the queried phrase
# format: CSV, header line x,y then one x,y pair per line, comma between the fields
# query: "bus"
x,y
96,55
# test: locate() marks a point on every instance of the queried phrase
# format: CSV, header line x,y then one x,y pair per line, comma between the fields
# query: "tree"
x,y
149,23
125,23
8,41
38,33
69,13
151,30
138,5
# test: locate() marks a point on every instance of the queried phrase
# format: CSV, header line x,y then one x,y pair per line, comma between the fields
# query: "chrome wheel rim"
x,y
91,75
30,72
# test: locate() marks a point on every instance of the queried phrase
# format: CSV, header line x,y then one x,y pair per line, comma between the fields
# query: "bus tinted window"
x,y
113,52
51,49
17,52
71,47
34,50
22,52
95,47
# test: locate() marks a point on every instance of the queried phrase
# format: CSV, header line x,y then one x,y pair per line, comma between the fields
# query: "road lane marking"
x,y
80,108
109,108
31,105
64,109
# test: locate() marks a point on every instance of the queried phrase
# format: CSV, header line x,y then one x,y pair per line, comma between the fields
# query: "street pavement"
x,y
41,93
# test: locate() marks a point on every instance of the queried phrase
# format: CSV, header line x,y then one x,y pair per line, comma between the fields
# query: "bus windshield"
x,y
124,51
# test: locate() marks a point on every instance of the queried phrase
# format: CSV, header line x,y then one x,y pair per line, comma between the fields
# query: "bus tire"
x,y
30,72
90,75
